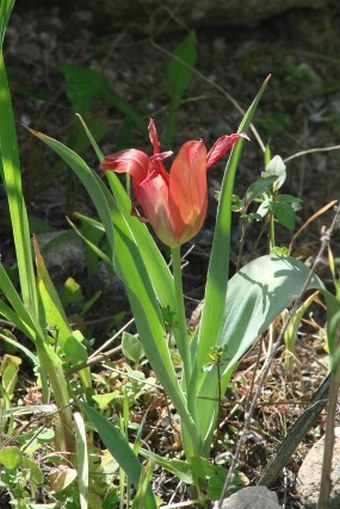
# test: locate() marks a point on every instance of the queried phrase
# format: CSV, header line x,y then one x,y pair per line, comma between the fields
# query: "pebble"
x,y
308,485
254,497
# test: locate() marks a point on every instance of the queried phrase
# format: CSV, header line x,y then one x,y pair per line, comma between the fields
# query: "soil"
x,y
299,111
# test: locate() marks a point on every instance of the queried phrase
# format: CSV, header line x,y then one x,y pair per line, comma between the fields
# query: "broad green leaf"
x,y
285,215
9,369
103,400
257,188
120,449
132,347
10,457
257,294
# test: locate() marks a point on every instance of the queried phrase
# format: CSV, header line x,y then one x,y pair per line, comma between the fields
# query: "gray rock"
x,y
62,257
309,476
254,497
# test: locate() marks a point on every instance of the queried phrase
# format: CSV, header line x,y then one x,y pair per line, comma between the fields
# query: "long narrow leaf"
x,y
120,449
23,316
6,7
218,271
10,173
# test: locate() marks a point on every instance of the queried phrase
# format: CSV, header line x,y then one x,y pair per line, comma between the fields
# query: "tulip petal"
x,y
132,161
188,189
153,196
221,146
154,136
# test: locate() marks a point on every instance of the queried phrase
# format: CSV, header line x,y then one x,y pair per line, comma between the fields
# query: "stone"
x,y
309,476
254,497
65,258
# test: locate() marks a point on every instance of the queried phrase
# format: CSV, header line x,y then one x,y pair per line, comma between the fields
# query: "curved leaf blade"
x,y
120,449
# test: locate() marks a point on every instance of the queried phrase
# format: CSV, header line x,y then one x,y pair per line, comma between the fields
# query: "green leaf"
x,y
180,468
132,347
83,85
6,7
10,174
10,457
36,474
285,214
120,449
218,271
256,295
257,188
72,293
277,168
179,71
9,369
103,400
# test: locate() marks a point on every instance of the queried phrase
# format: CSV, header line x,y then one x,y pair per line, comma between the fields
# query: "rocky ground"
x,y
299,111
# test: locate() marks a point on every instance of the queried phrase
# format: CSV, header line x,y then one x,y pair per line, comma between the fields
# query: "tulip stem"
x,y
180,327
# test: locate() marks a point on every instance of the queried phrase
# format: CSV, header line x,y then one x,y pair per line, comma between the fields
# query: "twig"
x,y
309,221
311,151
113,338
325,238
93,360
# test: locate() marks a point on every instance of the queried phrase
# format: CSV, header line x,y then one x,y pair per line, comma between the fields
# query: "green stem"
x,y
181,324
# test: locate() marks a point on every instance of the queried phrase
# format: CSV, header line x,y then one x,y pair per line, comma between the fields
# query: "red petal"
x,y
132,161
188,189
153,136
153,196
222,146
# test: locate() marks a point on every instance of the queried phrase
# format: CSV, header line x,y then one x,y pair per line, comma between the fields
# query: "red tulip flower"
x,y
175,203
